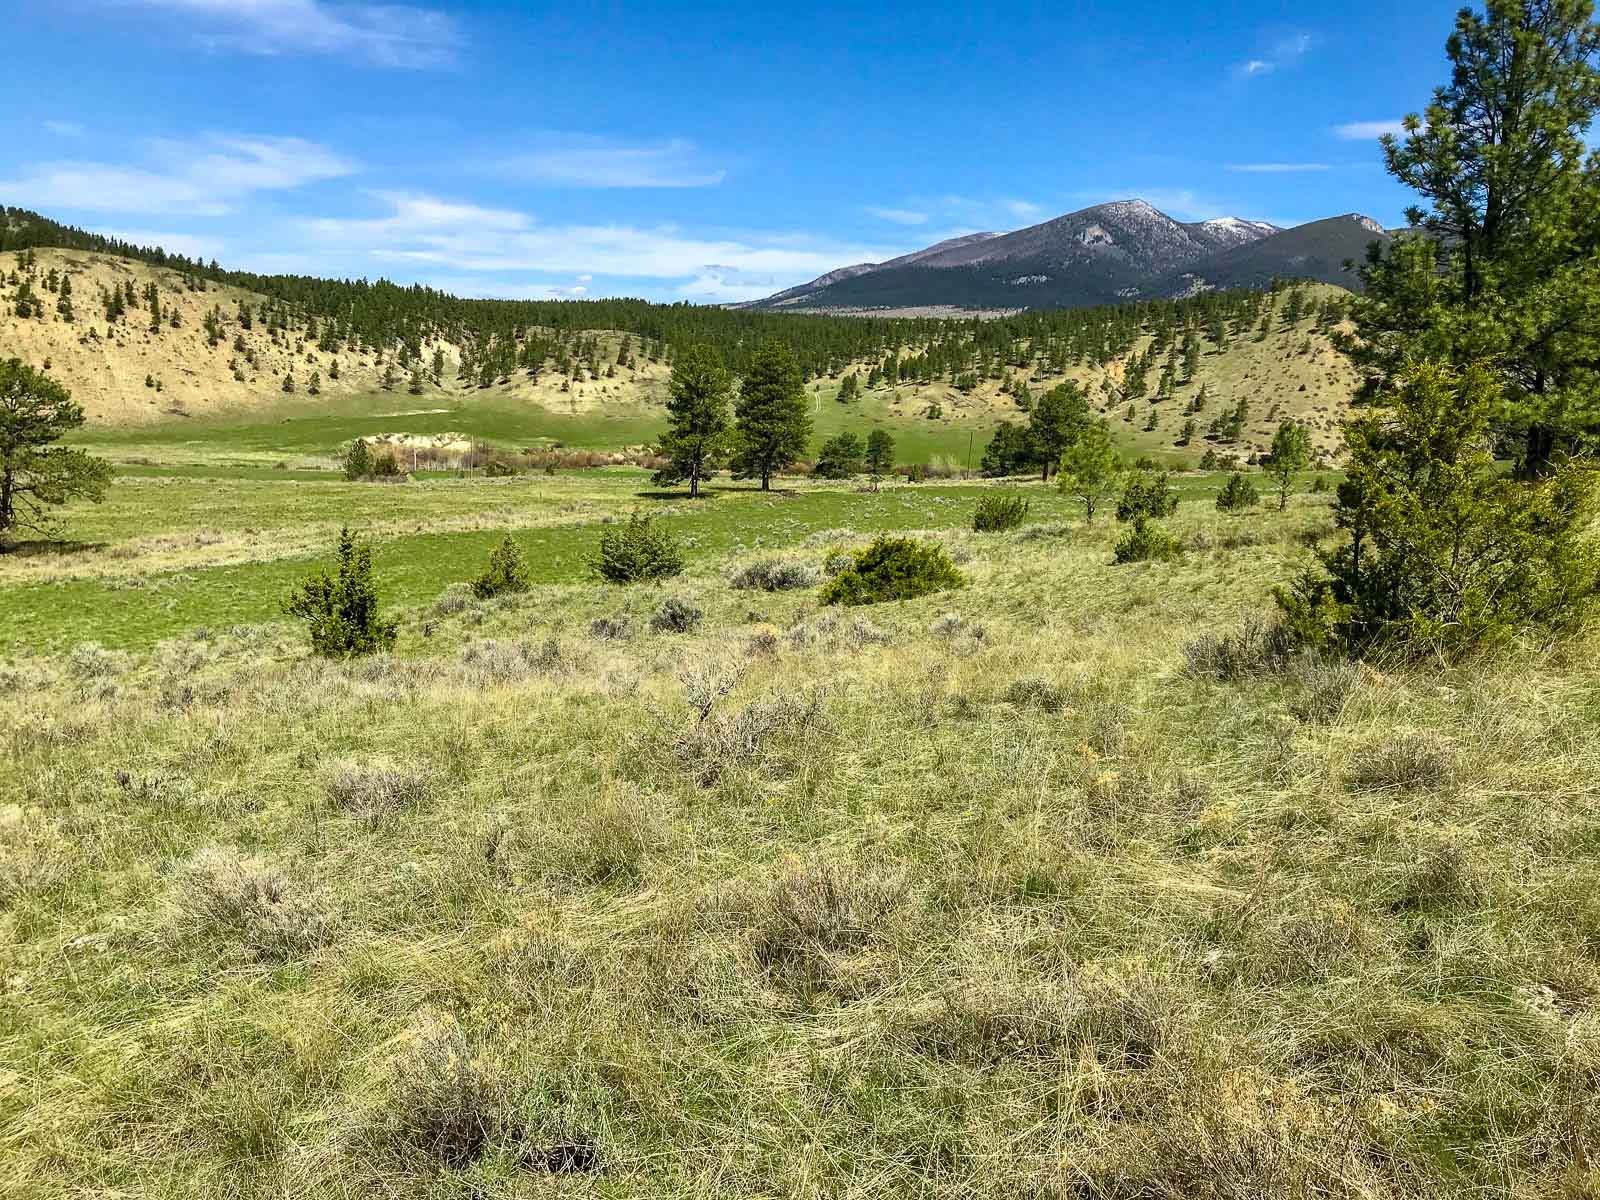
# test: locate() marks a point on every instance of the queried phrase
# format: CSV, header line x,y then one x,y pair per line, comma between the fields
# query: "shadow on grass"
x,y
49,548
708,491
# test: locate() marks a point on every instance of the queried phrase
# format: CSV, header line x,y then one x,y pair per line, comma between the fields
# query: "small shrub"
x,y
1256,648
1326,687
611,628
1147,542
342,610
836,560
675,615
377,791
999,512
442,1104
1147,495
775,575
637,551
507,662
455,598
499,468
893,568
1238,495
507,572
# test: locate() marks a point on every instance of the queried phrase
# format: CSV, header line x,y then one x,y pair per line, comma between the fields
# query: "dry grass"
x,y
974,896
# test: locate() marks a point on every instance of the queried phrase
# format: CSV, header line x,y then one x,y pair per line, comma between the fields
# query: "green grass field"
x,y
173,549
301,433
999,891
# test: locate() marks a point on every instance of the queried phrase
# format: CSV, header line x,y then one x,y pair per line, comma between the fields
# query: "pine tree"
x,y
1444,552
841,456
1499,159
1057,420
35,473
1291,452
772,415
880,453
697,416
1090,467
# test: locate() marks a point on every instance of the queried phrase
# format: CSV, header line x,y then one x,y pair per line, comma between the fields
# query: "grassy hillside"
x,y
173,396
992,893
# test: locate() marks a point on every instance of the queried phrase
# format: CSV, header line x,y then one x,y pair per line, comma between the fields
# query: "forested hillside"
x,y
139,336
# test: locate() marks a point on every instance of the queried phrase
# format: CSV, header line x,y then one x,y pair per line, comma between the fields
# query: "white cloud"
x,y
436,237
899,216
1278,168
69,129
575,160
1284,52
1364,131
985,214
413,215
388,35
203,178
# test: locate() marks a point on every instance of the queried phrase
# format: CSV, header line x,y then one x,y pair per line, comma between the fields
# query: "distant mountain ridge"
x,y
1127,249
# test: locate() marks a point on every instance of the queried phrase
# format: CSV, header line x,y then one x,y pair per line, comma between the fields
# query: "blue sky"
x,y
706,152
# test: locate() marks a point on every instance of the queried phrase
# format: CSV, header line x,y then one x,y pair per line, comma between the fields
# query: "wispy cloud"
x,y
416,215
1278,168
203,178
187,244
987,213
386,35
70,129
576,160
462,241
1365,131
899,216
1284,52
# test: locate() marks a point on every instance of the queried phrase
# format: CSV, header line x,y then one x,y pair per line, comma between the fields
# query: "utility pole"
x,y
967,470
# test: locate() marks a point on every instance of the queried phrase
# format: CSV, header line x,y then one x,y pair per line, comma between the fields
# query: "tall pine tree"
x,y
774,421
697,415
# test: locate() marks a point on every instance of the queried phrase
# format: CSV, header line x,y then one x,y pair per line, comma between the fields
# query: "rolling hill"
x,y
225,345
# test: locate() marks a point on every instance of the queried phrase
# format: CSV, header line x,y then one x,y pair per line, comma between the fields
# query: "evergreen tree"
x,y
1291,452
773,419
1057,419
697,416
1444,552
1499,159
841,456
35,473
341,610
1090,467
357,461
880,453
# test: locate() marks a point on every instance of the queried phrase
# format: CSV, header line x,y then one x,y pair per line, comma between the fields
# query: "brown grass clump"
x,y
224,896
814,913
377,791
1401,762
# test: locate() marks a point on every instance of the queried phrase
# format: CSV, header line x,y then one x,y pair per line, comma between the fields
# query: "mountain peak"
x,y
1103,254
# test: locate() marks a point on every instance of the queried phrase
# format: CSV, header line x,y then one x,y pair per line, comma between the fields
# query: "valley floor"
x,y
986,894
